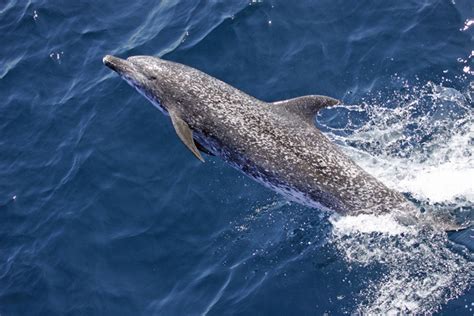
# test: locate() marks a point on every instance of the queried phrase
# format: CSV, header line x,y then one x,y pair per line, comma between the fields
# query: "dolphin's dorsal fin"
x,y
185,134
307,106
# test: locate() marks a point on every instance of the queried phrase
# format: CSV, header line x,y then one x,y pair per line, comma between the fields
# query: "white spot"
x,y
367,223
56,56
467,24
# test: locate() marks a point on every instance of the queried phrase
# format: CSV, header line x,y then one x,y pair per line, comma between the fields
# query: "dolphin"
x,y
275,143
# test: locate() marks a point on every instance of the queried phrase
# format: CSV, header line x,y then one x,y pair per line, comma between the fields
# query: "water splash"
x,y
421,270
418,141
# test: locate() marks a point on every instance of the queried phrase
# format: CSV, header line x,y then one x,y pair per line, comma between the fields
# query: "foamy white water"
x,y
366,223
429,156
441,175
421,271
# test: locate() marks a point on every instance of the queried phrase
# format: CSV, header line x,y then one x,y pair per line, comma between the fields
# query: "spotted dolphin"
x,y
275,143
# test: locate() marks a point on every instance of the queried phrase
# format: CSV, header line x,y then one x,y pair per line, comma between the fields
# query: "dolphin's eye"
x,y
152,78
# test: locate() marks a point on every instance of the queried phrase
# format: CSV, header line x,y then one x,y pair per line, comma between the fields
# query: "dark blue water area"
x,y
113,216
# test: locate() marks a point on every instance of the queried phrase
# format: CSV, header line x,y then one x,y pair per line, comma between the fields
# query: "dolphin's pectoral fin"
x,y
307,106
202,148
185,134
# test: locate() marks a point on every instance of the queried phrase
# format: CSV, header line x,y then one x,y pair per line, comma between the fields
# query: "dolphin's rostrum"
x,y
275,143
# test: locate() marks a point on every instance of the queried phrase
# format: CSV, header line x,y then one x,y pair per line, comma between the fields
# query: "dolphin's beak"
x,y
118,65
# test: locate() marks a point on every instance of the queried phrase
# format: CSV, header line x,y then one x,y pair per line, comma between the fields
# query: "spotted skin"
x,y
275,143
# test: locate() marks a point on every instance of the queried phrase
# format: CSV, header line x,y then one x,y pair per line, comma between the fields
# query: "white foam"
x,y
422,272
427,154
430,156
440,184
367,223
444,174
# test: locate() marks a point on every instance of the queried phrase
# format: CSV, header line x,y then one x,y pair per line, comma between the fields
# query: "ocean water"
x,y
104,212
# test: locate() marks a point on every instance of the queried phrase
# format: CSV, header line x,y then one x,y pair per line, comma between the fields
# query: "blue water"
x,y
104,212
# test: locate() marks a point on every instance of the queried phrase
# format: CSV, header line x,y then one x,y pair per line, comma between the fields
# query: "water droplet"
x,y
56,56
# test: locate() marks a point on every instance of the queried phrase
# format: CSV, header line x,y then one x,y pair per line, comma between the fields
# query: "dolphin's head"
x,y
153,77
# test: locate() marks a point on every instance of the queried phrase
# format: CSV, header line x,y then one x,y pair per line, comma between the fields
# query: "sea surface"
x,y
103,211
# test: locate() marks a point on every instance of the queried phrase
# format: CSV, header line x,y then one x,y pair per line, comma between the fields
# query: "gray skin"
x,y
275,143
